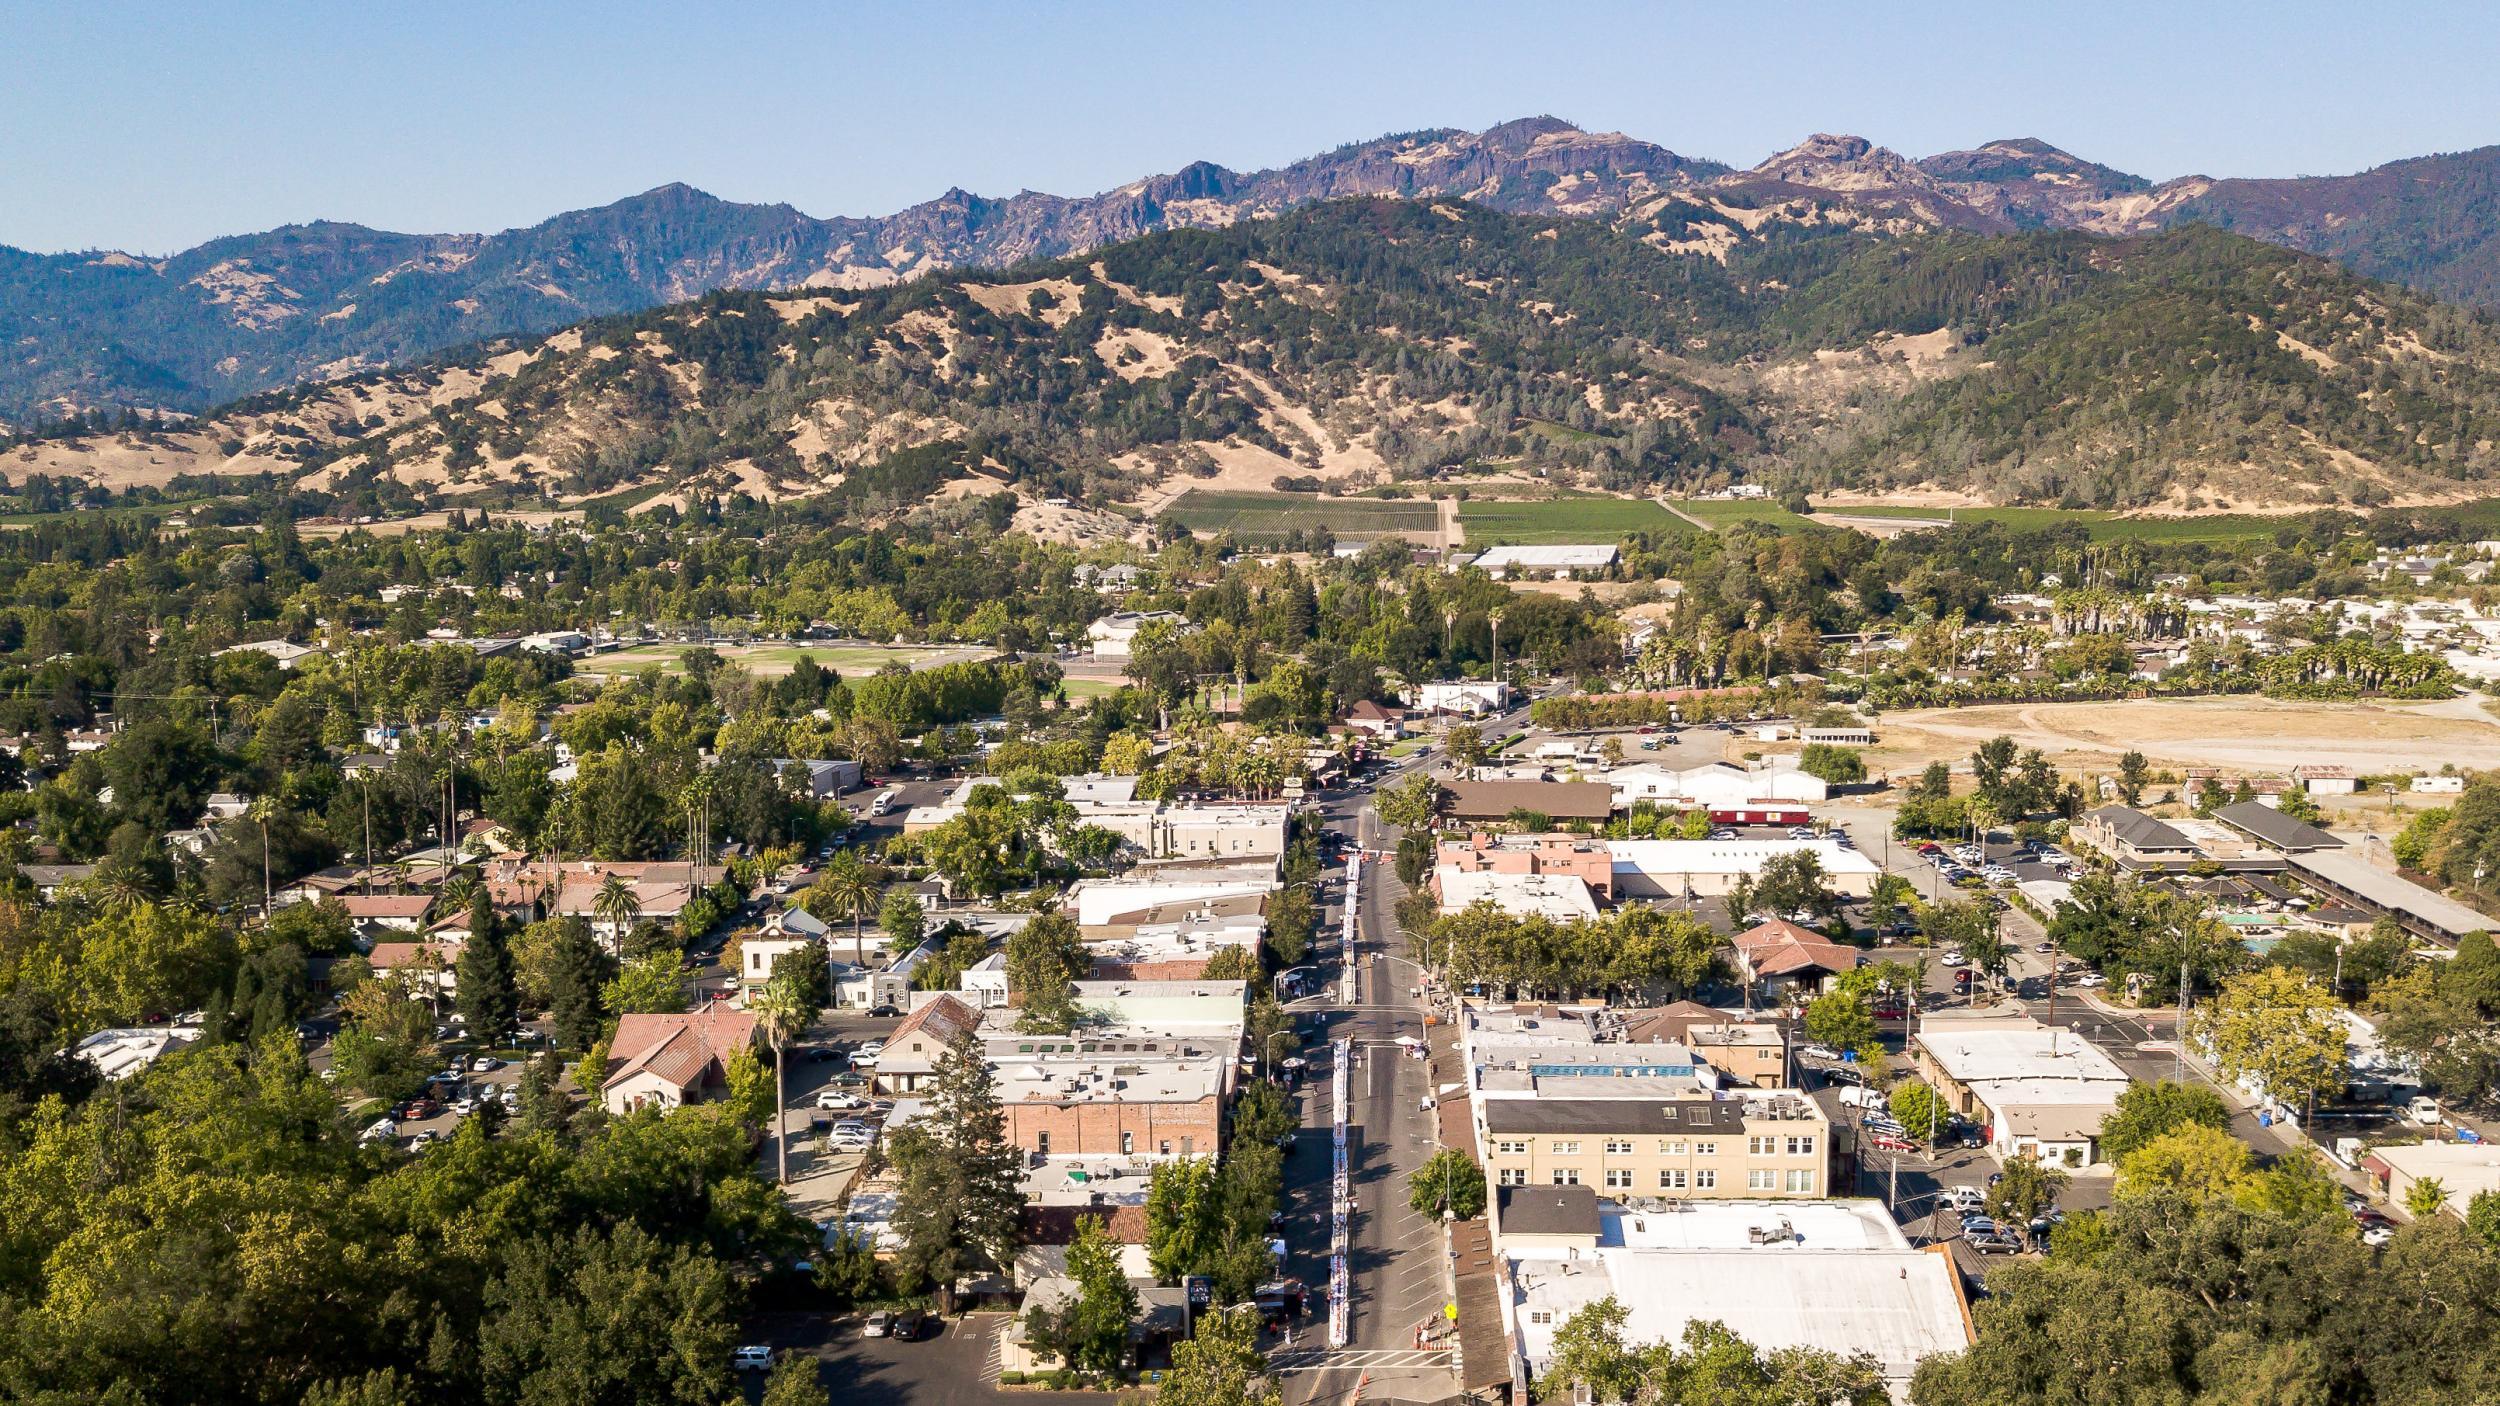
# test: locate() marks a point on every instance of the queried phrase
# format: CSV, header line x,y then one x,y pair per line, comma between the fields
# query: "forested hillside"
x,y
1377,342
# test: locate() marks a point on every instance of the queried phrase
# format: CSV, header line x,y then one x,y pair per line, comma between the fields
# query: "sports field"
x,y
1573,518
1269,515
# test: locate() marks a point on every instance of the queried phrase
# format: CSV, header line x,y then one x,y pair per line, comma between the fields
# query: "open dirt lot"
x,y
2258,734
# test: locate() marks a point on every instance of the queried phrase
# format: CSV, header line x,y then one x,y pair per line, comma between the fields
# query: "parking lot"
x,y
956,1367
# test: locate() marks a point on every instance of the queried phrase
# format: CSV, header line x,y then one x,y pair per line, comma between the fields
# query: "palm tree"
x,y
457,893
262,808
849,888
617,905
121,888
783,1012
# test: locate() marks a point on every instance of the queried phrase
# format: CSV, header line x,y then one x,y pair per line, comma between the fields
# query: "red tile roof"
x,y
685,1050
1780,948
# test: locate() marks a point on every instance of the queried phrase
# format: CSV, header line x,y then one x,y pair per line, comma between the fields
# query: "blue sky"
x,y
154,126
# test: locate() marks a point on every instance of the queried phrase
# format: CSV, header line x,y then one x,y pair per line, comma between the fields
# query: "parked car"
x,y
1998,1242
2423,1110
880,1324
485,1064
836,1100
751,1358
882,1012
1724,835
1952,959
911,1325
1962,1198
1889,1143
823,1054
1818,1052
382,1131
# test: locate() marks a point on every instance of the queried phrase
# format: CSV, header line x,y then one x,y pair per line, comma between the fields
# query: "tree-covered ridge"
x,y
1370,341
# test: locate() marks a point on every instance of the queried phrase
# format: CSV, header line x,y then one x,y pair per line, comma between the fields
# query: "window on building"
x,y
1041,1143
1705,1147
1761,1146
1801,1180
1619,1178
1566,1176
1566,1148
1540,1316
1705,1179
1671,1179
1762,1179
1508,1145
1671,1146
1801,1147
1512,1176
1618,1144
1128,1143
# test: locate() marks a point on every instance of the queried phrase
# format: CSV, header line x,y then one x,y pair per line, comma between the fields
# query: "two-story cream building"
x,y
1751,1146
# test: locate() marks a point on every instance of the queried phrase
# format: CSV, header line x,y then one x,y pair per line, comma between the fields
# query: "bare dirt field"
x,y
2257,734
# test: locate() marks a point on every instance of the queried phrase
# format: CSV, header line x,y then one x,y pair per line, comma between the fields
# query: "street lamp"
x,y
1267,1050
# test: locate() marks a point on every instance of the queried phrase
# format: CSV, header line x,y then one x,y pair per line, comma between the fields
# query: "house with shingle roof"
x,y
1779,953
666,1061
912,1052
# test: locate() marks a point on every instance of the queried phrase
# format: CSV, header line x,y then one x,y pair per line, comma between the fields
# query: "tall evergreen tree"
x,y
490,994
575,975
961,1200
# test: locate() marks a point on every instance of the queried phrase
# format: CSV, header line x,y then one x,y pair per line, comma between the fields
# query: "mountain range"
x,y
1696,339
320,301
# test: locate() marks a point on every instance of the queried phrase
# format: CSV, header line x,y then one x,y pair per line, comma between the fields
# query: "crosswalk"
x,y
1354,1359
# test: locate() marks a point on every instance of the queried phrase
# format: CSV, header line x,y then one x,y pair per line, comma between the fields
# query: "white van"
x,y
883,803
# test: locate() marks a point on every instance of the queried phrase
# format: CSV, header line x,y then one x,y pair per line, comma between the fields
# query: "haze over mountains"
x,y
319,301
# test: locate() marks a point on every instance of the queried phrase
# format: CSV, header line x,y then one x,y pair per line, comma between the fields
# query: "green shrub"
x,y
1011,1379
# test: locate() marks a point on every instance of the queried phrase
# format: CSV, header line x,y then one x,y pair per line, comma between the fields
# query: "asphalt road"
x,y
1397,1261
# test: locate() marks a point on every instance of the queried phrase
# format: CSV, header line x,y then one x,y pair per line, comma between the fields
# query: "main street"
x,y
1396,1259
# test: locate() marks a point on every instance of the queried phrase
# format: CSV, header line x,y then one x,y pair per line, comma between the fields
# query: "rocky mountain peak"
x,y
1521,133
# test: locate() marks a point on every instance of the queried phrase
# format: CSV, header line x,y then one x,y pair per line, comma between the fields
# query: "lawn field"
x,y
2105,526
775,660
1269,515
1576,518
1725,512
1078,690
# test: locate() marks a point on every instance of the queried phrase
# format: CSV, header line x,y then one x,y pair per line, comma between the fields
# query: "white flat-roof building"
x,y
1553,562
2462,1169
1718,786
1470,697
1832,1275
1560,897
1114,636
1706,868
118,1054
2039,1090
